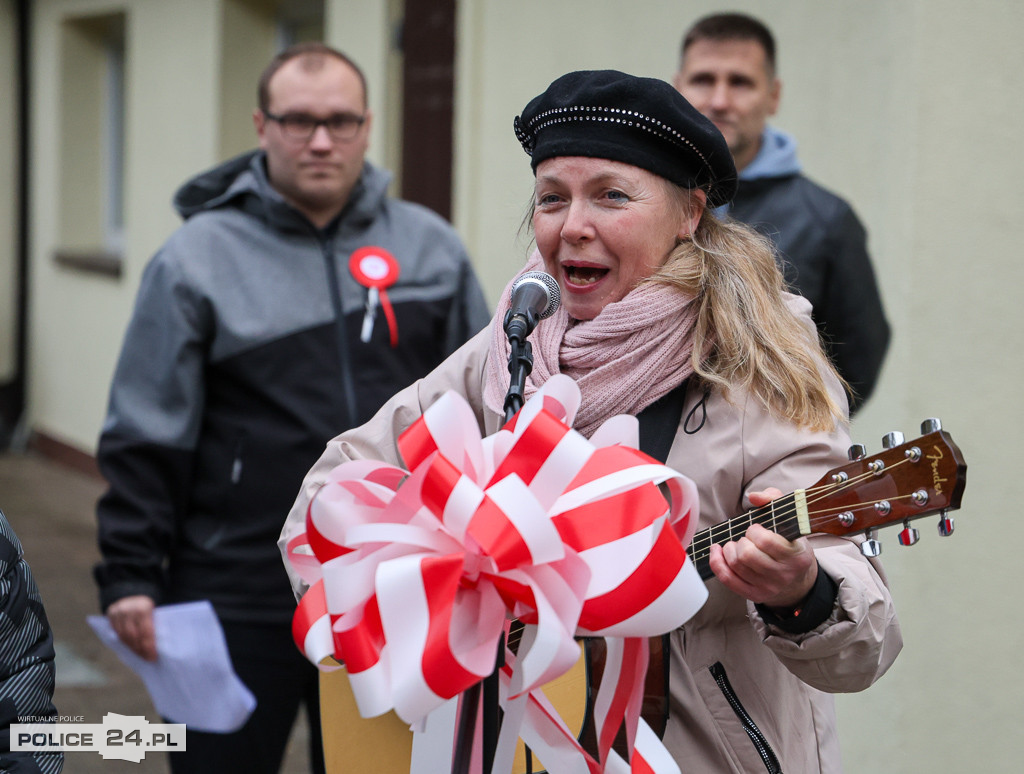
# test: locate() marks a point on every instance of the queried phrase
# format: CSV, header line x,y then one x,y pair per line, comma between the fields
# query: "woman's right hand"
x,y
132,619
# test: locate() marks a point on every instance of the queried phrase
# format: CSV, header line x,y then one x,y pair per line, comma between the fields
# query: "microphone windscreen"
x,y
549,283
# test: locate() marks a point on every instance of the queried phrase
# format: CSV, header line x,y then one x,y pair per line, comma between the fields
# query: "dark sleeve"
x,y
137,515
853,321
146,449
26,658
811,613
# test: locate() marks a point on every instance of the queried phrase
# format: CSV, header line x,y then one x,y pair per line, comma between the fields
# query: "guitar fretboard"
x,y
778,516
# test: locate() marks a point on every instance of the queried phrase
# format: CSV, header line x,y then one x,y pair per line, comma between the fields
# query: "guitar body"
x,y
354,743
384,744
904,483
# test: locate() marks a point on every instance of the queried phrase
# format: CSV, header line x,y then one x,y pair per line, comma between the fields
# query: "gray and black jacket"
x,y
242,359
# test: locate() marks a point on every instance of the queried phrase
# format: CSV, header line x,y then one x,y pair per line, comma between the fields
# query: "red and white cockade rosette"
x,y
414,575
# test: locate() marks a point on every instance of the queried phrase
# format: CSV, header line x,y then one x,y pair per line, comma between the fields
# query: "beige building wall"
x,y
908,108
78,318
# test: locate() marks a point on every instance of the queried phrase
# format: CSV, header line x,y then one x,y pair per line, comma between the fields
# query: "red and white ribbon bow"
x,y
413,575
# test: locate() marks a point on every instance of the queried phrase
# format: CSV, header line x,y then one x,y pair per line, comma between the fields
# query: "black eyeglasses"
x,y
300,126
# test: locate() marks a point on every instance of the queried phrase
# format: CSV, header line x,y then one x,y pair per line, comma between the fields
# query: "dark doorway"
x,y
428,46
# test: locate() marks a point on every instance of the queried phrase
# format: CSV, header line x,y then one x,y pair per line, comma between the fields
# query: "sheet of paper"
x,y
192,680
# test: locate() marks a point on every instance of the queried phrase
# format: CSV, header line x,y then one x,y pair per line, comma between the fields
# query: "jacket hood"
x,y
777,157
242,183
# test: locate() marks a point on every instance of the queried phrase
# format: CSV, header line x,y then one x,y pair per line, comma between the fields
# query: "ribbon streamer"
x,y
414,573
376,270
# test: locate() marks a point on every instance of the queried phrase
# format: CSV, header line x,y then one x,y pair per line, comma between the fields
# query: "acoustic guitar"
x,y
903,483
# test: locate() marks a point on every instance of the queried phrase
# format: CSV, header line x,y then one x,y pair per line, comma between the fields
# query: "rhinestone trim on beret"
x,y
560,115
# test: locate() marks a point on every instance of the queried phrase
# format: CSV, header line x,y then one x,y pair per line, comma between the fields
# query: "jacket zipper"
x,y
347,381
236,465
768,757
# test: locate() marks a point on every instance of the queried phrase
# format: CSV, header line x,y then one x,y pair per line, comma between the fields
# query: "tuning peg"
x,y
945,524
892,440
871,547
908,535
857,452
930,426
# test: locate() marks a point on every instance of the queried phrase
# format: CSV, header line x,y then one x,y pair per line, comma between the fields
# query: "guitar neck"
x,y
776,516
905,482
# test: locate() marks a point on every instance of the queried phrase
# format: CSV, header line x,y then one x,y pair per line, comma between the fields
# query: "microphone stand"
x,y
520,365
520,360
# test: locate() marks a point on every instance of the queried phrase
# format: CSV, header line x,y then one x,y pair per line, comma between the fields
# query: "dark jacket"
x,y
823,254
242,358
26,658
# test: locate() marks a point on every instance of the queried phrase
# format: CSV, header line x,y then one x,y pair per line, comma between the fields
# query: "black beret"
x,y
640,121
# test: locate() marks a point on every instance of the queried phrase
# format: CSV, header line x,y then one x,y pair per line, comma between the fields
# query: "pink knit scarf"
x,y
634,352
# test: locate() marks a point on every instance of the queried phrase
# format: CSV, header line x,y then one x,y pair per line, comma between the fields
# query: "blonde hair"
x,y
746,337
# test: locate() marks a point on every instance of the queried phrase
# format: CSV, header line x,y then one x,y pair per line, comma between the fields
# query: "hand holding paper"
x,y
192,681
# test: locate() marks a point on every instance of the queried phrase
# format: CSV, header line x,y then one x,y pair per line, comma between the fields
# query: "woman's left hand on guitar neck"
x,y
765,567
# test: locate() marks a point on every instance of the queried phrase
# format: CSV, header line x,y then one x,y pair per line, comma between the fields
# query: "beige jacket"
x,y
782,681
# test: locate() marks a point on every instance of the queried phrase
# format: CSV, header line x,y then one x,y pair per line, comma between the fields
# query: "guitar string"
x,y
788,513
816,517
781,518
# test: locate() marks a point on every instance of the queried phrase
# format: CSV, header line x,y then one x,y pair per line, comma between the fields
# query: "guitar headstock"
x,y
904,482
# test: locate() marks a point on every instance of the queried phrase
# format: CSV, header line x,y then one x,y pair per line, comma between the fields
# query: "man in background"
x,y
294,300
727,71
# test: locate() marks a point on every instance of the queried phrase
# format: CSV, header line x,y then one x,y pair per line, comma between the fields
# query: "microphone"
x,y
534,296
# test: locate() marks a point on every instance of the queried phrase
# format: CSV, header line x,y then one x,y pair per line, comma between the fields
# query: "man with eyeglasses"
x,y
295,299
